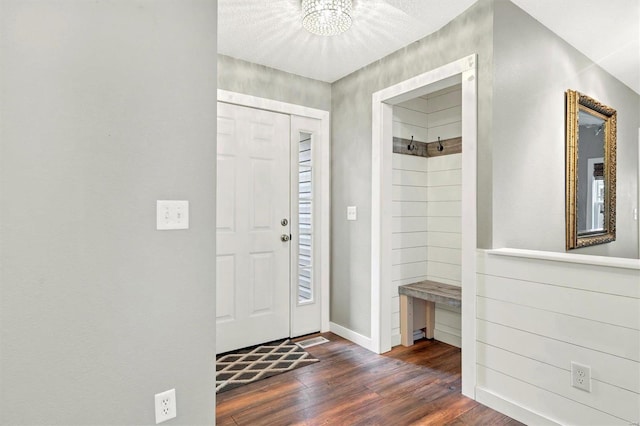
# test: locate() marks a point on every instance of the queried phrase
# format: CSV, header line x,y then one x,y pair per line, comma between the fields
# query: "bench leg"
x,y
430,310
406,320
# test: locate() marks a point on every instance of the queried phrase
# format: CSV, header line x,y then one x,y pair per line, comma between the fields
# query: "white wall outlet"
x,y
171,214
352,213
581,376
165,406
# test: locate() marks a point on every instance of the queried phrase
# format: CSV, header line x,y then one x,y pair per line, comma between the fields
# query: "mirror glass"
x,y
590,171
591,190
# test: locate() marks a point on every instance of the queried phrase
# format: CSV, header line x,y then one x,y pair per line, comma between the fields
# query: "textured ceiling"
x,y
270,33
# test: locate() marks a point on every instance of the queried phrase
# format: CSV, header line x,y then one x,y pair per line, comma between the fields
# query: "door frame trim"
x,y
463,71
325,179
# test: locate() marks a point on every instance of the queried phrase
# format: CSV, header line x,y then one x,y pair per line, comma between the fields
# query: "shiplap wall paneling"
x,y
438,114
592,277
444,238
540,403
444,113
537,316
548,350
410,119
409,229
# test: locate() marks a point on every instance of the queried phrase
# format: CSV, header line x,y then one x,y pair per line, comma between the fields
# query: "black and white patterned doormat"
x,y
250,365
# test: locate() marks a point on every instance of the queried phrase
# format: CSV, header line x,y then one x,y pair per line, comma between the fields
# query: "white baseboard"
x,y
512,409
448,338
395,340
441,336
351,335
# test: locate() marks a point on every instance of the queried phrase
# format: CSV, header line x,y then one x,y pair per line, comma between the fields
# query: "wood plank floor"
x,y
352,386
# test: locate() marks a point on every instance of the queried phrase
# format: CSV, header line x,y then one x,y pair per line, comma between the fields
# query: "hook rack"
x,y
439,147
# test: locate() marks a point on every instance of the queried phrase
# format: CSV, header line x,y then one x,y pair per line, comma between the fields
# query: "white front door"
x,y
253,272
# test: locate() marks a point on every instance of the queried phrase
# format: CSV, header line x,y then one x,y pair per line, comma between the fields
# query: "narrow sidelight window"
x,y
305,220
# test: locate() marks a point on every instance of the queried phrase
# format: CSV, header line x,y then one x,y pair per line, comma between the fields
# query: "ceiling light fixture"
x,y
326,17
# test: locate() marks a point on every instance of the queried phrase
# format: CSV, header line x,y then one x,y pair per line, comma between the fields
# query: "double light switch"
x,y
172,214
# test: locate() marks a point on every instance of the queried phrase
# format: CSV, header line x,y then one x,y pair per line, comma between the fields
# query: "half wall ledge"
x,y
585,259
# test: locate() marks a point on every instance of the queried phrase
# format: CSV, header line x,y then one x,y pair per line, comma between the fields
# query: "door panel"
x,y
253,193
261,200
226,195
225,278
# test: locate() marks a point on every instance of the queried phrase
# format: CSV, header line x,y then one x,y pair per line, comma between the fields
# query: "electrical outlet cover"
x,y
352,213
165,405
581,376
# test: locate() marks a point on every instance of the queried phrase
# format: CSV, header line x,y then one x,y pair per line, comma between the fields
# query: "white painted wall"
x,y
426,209
536,316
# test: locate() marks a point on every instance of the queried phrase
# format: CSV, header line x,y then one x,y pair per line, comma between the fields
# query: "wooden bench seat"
x,y
430,292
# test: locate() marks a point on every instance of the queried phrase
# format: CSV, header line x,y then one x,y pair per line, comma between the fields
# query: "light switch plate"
x,y
352,213
172,214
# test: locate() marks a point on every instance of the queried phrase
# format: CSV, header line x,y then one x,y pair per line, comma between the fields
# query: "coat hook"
x,y
440,147
411,145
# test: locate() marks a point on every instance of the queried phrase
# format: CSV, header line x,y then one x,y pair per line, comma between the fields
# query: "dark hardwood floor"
x,y
352,386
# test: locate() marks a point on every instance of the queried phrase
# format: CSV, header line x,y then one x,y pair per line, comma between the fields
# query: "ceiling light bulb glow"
x,y
327,17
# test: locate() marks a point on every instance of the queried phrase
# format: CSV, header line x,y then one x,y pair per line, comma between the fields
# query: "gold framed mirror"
x,y
590,171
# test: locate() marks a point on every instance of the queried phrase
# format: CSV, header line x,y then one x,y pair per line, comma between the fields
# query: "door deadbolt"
x,y
284,237
284,222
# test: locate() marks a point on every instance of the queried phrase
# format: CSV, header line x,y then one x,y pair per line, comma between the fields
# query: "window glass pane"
x,y
305,253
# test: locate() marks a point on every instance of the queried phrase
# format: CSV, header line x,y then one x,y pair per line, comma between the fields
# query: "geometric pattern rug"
x,y
250,365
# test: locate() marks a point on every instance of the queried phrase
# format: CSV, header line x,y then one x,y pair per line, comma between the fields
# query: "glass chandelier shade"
x,y
326,17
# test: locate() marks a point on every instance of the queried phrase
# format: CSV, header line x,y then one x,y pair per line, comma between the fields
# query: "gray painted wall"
x,y
106,107
245,77
469,33
533,69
